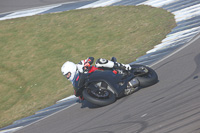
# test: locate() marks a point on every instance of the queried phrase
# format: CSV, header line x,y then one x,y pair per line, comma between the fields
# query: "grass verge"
x,y
32,50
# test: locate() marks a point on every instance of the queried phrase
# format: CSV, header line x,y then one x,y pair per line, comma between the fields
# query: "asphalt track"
x,y
170,106
13,5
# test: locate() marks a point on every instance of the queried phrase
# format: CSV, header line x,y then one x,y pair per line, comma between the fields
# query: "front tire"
x,y
99,100
148,79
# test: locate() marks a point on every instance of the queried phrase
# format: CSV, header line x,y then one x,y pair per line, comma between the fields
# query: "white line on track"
x,y
31,12
11,130
158,3
51,5
100,3
41,118
178,50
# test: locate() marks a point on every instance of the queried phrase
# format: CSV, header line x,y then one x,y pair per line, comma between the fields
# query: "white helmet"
x,y
69,67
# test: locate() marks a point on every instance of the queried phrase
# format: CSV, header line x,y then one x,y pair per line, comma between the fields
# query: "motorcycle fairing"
x,y
115,81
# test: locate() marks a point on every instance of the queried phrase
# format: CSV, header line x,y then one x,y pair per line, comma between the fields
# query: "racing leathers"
x,y
84,66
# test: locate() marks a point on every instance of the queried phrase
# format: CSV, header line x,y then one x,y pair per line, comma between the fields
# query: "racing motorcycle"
x,y
102,87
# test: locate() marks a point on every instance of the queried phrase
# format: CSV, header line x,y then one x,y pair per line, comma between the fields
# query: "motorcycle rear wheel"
x,y
101,98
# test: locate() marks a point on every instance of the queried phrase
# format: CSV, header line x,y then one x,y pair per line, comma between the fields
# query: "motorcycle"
x,y
102,87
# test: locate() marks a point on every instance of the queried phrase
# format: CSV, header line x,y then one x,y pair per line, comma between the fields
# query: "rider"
x,y
70,69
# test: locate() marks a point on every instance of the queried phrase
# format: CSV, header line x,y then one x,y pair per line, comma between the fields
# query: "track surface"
x,y
13,5
172,105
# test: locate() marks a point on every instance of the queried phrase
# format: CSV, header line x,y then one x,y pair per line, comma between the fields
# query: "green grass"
x,y
32,50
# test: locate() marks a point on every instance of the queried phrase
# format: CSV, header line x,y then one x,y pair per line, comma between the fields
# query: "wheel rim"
x,y
100,93
142,72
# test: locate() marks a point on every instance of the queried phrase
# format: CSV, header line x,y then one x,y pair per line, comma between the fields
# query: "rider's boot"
x,y
122,66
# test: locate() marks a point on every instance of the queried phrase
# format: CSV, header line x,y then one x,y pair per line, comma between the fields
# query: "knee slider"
x,y
101,61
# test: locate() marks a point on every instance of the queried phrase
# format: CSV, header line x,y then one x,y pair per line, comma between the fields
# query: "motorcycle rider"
x,y
70,69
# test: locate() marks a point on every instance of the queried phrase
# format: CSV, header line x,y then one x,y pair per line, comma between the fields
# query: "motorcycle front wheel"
x,y
98,96
148,79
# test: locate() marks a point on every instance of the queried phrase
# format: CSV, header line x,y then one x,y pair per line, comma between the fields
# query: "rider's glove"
x,y
87,64
85,69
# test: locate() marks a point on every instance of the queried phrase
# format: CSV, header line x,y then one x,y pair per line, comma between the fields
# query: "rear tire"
x,y
98,101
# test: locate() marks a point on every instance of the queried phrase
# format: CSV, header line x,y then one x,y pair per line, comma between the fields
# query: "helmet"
x,y
69,67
